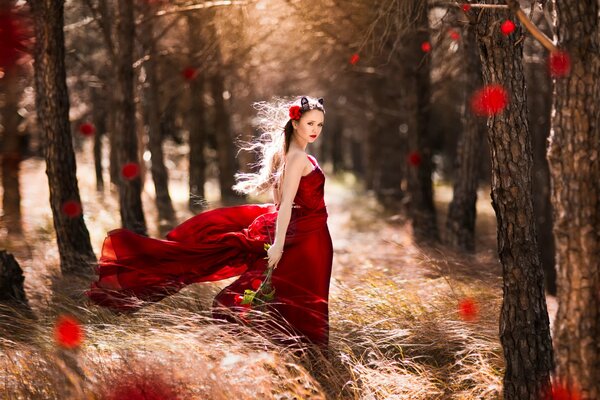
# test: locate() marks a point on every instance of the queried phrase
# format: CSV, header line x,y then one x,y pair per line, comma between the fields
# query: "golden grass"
x,y
395,329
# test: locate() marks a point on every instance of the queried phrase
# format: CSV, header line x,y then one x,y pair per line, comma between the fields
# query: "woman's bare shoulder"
x,y
295,158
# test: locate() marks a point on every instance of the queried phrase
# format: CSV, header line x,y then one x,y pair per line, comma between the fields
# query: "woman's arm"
x,y
291,181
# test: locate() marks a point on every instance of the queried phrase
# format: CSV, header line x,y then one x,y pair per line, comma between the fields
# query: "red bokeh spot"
x,y
507,27
414,159
256,284
68,332
426,47
466,7
189,73
130,170
87,129
559,63
354,58
138,386
489,100
16,35
468,309
560,391
71,208
454,35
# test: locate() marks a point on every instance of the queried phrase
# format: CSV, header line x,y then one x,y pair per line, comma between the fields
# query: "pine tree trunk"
x,y
574,158
100,116
420,185
52,103
11,154
160,176
524,323
462,211
125,138
197,118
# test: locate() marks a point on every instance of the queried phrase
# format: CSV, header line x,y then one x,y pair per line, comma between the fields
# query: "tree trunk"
x,y
574,158
100,116
539,100
420,186
462,210
125,139
11,154
52,103
12,291
197,117
160,176
524,323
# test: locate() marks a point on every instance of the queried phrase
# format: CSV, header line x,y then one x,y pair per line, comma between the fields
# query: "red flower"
x,y
414,158
426,47
68,332
489,100
454,35
71,208
466,7
130,170
354,59
189,73
237,299
468,309
295,112
559,63
87,129
507,27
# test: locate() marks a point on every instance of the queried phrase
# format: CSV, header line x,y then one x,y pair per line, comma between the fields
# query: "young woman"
x,y
230,241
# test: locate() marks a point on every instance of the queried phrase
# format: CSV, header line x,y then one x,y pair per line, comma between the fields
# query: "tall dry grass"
x,y
395,328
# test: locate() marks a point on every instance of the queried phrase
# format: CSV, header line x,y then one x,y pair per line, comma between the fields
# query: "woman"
x,y
230,241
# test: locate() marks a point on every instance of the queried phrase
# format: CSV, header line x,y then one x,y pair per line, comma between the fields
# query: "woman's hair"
x,y
275,135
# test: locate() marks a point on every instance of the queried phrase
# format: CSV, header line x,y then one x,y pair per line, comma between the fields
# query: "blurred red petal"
x,y
256,284
354,59
87,129
15,37
468,309
559,63
466,7
189,73
130,170
489,100
454,35
507,27
414,159
71,208
426,47
68,332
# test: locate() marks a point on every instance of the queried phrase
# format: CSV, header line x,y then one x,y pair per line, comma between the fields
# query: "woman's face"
x,y
309,126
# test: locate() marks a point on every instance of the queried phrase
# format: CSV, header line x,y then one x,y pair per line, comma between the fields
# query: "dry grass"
x,y
395,329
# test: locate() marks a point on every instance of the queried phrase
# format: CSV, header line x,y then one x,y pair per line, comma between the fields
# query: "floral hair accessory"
x,y
295,113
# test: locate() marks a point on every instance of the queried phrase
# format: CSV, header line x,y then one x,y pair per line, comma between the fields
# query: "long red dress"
x,y
226,242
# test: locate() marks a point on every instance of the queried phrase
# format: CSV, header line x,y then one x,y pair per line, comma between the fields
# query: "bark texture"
x,y
524,323
574,159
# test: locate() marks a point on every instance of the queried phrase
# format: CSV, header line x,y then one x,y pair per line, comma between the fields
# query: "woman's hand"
x,y
274,254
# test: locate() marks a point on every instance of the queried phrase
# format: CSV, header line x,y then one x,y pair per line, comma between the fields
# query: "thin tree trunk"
x,y
100,116
160,176
52,103
197,117
125,138
524,323
11,154
574,158
462,210
420,185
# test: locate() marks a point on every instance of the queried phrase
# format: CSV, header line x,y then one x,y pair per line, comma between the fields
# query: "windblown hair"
x,y
275,135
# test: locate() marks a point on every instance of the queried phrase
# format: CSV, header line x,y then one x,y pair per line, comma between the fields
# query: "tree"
x,y
524,323
574,160
52,102
125,141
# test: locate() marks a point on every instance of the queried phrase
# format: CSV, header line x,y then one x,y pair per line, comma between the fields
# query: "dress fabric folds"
x,y
135,270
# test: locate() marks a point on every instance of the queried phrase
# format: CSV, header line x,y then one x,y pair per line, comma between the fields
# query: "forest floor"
x,y
396,331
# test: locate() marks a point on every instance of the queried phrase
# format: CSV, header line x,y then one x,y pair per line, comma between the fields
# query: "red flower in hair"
x,y
295,112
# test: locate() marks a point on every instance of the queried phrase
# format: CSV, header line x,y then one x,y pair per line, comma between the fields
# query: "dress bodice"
x,y
311,191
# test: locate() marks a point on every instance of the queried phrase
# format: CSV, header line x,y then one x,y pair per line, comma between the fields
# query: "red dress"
x,y
226,242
